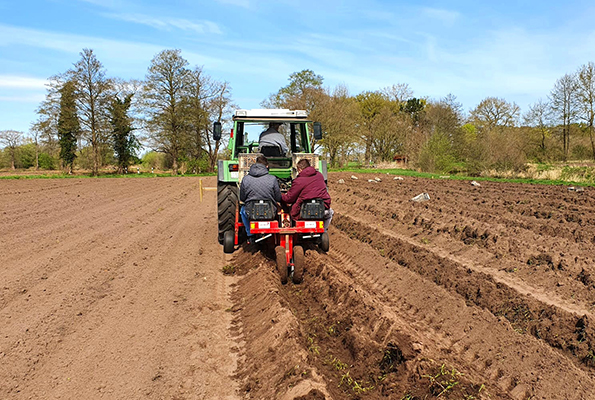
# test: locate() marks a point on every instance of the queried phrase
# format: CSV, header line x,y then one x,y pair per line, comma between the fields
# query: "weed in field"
x,y
312,346
425,240
392,358
333,330
229,269
335,363
353,384
590,358
443,381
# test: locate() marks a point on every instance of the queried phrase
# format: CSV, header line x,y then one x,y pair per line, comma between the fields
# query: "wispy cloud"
x,y
447,17
167,23
21,82
239,3
104,3
73,44
33,98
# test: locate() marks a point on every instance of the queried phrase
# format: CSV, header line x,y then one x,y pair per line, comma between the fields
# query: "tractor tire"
x,y
298,264
229,239
324,244
281,263
227,201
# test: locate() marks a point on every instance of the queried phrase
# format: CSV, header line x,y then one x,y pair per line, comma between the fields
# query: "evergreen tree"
x,y
124,142
68,125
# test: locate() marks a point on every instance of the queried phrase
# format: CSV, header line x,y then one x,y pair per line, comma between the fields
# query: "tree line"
x,y
437,135
92,120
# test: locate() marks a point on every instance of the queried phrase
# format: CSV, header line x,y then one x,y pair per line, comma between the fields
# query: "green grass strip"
x,y
427,175
66,176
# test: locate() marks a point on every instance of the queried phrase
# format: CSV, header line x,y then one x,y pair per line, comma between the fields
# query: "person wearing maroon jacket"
x,y
309,184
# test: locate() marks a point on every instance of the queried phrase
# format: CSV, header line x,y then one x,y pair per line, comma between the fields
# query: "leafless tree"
x,y
564,106
219,107
585,97
11,140
48,113
399,92
165,104
538,117
339,115
93,90
492,112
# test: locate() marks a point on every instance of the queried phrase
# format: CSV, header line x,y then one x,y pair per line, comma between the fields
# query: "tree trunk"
x,y
592,142
95,156
175,165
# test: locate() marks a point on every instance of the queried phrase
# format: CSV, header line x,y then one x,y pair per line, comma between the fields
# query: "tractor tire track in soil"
x,y
111,288
428,300
118,289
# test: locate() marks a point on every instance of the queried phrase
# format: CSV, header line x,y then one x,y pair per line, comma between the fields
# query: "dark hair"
x,y
303,163
262,160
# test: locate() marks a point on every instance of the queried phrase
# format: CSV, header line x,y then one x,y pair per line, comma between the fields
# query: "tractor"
x,y
276,229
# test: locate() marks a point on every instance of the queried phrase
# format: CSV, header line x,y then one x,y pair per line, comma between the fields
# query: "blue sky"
x,y
514,50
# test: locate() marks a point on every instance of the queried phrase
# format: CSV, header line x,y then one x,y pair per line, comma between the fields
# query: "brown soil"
x,y
117,288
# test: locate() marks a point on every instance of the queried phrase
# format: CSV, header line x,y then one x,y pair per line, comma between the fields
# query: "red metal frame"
x,y
283,235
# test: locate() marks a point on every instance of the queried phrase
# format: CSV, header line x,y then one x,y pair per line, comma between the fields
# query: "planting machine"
x,y
274,228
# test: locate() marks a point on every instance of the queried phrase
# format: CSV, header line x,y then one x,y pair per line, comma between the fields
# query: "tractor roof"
x,y
271,115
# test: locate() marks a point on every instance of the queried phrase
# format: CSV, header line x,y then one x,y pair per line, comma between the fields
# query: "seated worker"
x,y
308,185
258,185
273,138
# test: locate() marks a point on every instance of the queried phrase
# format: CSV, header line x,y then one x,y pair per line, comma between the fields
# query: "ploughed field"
x,y
117,288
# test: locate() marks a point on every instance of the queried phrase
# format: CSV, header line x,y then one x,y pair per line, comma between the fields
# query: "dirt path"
x,y
112,287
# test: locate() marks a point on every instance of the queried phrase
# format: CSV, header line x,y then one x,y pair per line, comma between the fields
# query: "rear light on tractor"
x,y
234,167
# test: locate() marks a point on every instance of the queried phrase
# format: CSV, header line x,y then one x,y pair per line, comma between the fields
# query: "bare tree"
x,y
11,140
92,94
165,103
200,92
46,125
219,109
585,97
339,114
564,107
492,112
399,92
35,135
538,117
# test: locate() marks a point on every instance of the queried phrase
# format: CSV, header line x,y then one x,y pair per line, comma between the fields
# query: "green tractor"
x,y
244,148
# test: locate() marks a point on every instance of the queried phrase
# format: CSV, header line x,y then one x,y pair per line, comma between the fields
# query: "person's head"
x,y
302,164
275,125
262,160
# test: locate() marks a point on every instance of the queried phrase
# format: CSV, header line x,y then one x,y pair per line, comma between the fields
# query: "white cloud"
x,y
167,23
21,82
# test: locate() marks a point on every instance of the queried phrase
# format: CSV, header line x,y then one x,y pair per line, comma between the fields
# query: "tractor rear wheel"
x,y
281,263
324,242
229,238
298,264
227,200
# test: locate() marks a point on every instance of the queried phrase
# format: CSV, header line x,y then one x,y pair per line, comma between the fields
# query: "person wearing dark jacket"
x,y
258,185
309,184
